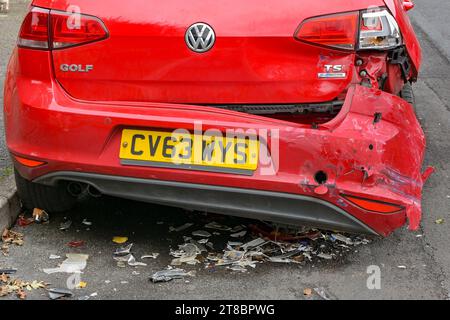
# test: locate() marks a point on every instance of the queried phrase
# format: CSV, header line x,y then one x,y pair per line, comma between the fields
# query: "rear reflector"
x,y
64,29
373,205
34,30
69,30
337,31
28,162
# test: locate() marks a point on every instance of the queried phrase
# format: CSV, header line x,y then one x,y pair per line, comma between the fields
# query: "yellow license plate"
x,y
181,149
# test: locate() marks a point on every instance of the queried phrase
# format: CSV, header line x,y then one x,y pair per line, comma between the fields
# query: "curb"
x,y
9,202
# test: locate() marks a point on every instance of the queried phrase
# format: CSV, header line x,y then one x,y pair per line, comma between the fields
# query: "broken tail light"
x,y
373,205
365,30
379,30
44,29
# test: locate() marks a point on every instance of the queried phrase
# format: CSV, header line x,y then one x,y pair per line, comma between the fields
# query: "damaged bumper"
x,y
360,172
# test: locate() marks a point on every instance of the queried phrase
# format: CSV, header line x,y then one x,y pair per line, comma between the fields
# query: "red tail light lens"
x,y
64,29
34,30
75,29
337,31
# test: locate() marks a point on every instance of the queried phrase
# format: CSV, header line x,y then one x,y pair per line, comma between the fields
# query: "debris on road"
x,y
201,233
401,267
123,256
170,274
86,222
40,216
440,221
8,271
23,222
238,234
187,253
270,243
120,240
216,226
180,228
76,244
154,255
75,263
55,293
65,225
323,293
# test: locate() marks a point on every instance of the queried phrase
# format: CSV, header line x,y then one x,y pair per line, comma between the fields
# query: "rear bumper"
x,y
373,149
265,205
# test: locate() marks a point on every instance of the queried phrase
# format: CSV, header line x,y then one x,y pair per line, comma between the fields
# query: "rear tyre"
x,y
407,94
51,199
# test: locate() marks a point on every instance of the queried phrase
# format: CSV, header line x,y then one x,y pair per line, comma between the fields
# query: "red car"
x,y
296,112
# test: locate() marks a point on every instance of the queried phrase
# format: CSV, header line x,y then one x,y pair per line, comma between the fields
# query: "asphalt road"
x,y
427,257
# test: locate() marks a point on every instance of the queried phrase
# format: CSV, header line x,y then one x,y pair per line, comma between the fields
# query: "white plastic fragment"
x,y
75,263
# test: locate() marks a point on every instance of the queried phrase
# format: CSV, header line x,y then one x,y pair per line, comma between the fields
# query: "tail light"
x,y
372,29
337,31
69,30
34,30
44,29
379,30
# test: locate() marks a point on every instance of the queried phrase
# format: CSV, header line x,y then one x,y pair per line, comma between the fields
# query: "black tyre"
x,y
50,199
407,94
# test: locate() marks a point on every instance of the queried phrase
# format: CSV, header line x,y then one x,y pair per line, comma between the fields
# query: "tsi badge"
x,y
76,68
333,71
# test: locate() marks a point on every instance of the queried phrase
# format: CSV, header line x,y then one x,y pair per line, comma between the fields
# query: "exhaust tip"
x,y
75,188
94,192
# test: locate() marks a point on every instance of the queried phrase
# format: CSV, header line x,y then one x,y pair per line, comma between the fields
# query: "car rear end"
x,y
278,111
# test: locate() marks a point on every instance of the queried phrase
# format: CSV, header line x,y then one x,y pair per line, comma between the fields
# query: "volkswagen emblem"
x,y
200,37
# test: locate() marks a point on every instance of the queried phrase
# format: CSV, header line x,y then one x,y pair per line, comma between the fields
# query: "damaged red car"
x,y
296,112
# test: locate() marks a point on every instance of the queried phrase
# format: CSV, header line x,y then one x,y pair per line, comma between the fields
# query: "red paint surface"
x,y
74,122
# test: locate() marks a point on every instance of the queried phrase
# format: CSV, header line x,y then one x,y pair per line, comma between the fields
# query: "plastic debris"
x,y
201,233
65,225
86,222
56,293
81,285
120,240
401,267
40,216
122,251
154,255
323,293
170,274
75,263
187,253
76,244
181,228
23,222
440,221
123,255
54,257
216,226
238,234
8,271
